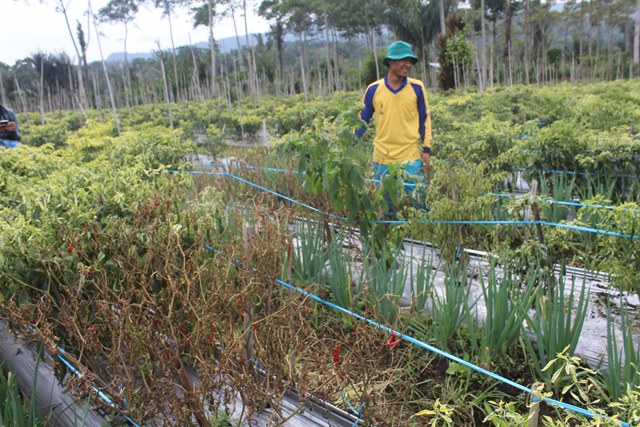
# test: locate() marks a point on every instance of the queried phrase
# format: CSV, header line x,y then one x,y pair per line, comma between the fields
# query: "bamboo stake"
x,y
534,409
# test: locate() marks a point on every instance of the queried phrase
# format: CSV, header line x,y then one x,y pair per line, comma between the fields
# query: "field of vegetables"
x,y
197,283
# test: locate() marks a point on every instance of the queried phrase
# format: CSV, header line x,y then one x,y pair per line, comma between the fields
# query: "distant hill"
x,y
225,45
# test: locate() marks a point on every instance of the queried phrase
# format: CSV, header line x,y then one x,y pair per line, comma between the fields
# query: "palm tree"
x,y
415,22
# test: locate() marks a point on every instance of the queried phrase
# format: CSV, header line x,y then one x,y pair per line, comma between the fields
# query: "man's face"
x,y
400,67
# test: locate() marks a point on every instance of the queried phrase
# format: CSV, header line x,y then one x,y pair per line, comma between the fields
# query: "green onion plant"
x,y
556,324
422,282
342,278
623,359
309,253
386,278
504,292
558,187
449,309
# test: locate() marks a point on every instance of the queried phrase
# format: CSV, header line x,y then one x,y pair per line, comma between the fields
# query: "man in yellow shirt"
x,y
398,104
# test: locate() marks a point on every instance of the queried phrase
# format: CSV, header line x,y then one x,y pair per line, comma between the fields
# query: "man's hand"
x,y
9,127
426,165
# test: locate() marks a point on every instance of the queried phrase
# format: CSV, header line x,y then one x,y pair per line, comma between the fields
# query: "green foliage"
x,y
309,253
332,163
386,277
55,133
14,411
556,325
502,326
623,360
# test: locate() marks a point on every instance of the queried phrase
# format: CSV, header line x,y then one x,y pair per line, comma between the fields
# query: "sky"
x,y
31,26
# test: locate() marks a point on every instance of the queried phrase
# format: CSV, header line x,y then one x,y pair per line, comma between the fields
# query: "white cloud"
x,y
29,27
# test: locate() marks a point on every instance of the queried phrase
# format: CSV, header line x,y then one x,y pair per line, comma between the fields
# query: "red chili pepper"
x,y
336,360
211,337
69,248
392,341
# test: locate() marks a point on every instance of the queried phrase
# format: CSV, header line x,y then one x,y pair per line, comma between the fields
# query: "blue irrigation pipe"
x,y
99,392
427,222
410,185
60,355
208,165
559,202
522,169
431,348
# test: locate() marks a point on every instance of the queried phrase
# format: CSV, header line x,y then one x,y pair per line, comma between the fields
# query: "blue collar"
x,y
392,90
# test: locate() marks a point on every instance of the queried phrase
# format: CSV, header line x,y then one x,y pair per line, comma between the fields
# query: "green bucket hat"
x,y
399,50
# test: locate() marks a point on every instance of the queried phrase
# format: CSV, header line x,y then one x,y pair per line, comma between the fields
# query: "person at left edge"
x,y
9,129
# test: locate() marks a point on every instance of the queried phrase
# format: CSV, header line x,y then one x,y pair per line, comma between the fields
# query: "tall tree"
x,y
636,35
84,44
415,22
168,8
124,12
300,18
273,11
82,102
206,15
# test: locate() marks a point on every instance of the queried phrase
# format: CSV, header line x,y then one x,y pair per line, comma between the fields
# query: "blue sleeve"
x,y
368,110
422,109
14,135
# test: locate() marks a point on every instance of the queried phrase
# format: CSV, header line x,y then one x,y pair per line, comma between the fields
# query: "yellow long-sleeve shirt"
x,y
402,119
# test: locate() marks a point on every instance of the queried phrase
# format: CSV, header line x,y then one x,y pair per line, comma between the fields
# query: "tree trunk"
x,y
41,91
166,87
3,95
443,29
636,35
336,61
175,58
82,100
253,69
528,40
507,41
240,58
483,47
195,77
212,47
106,74
327,51
127,70
303,72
